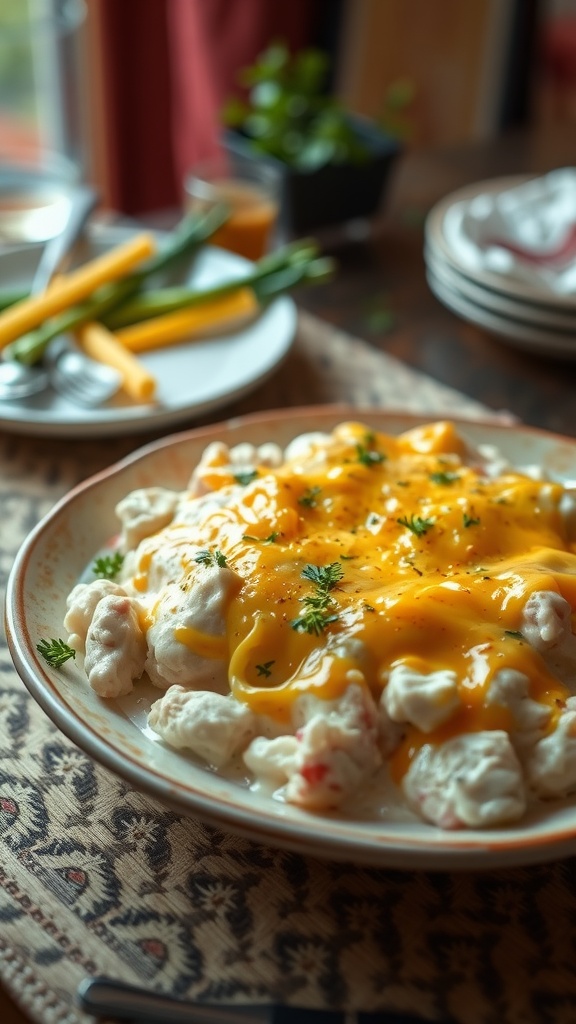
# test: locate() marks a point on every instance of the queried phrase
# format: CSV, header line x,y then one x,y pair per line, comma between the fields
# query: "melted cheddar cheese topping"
x,y
370,551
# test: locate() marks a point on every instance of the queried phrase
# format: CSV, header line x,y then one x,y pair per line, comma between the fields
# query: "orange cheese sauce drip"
x,y
436,560
204,644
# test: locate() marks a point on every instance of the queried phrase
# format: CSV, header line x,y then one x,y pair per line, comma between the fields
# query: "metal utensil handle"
x,y
104,997
82,202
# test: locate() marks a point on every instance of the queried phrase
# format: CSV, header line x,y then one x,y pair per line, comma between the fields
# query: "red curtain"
x,y
133,92
165,68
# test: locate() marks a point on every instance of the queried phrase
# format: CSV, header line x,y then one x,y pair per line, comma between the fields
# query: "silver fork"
x,y
75,376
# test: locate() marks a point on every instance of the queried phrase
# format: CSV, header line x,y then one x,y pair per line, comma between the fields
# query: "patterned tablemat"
x,y
96,878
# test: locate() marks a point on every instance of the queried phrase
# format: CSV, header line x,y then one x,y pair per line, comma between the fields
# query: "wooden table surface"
x,y
380,294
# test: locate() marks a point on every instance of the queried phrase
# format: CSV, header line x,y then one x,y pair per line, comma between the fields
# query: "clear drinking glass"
x,y
251,189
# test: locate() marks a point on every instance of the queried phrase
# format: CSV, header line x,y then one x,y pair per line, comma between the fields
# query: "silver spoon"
x,y
17,380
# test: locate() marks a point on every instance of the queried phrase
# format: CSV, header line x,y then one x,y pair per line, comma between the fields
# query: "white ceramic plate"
x,y
64,543
193,378
442,229
518,333
527,312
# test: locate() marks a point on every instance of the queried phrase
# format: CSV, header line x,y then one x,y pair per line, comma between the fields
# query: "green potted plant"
x,y
333,165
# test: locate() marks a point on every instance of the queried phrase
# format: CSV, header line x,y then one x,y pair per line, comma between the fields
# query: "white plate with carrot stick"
x,y
201,330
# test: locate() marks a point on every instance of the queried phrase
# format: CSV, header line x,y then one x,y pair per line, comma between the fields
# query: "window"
x,y
39,82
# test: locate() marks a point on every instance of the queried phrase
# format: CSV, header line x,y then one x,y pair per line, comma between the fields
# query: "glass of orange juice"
x,y
251,190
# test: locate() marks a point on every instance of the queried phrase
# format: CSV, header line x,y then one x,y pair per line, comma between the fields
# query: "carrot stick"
x,y
195,322
77,285
99,343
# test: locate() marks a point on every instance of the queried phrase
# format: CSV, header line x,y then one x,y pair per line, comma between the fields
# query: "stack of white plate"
x,y
502,254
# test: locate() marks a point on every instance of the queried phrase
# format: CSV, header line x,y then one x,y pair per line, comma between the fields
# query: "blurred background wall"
x,y
130,91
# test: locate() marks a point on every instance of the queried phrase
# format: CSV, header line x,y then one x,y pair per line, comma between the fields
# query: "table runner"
x,y
96,877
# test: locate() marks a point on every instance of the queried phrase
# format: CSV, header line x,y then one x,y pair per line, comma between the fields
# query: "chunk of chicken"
x,y
272,759
115,647
332,754
81,604
187,641
212,726
551,769
143,512
219,462
471,780
510,689
313,445
547,626
423,699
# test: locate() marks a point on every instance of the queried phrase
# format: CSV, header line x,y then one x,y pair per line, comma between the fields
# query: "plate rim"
x,y
496,302
475,849
516,333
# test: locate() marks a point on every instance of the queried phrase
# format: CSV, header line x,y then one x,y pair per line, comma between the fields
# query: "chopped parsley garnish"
x,y
246,477
324,577
310,497
368,456
270,539
317,612
515,634
313,620
414,567
470,520
55,652
444,478
265,669
216,557
416,524
108,566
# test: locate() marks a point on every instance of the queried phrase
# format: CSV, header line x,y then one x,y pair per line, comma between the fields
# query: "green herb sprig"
x,y
515,634
416,524
245,477
265,669
444,478
310,497
290,114
368,456
55,651
108,566
216,557
469,520
270,539
317,613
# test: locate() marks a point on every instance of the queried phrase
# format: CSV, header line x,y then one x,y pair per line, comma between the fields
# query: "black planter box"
x,y
334,193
